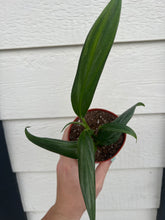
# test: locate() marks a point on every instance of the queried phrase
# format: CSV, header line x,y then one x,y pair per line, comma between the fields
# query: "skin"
x,y
69,202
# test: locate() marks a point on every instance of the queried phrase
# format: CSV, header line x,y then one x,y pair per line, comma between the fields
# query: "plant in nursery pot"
x,y
96,134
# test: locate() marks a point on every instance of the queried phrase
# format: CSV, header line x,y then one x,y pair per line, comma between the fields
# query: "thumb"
x,y
101,172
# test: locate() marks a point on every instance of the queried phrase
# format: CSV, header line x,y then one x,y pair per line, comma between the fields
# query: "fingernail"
x,y
113,159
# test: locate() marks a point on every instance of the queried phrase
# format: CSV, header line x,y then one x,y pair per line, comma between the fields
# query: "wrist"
x,y
55,213
67,212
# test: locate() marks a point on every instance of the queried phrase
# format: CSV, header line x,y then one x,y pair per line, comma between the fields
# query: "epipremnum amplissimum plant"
x,y
93,57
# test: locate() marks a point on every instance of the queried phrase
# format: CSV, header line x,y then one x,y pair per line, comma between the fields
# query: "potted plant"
x,y
96,134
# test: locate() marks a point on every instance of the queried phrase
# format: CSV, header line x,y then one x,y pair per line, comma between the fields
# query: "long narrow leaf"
x,y
70,123
110,133
65,148
86,165
93,57
107,134
127,115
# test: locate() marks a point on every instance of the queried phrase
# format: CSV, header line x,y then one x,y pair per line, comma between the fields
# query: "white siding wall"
x,y
40,43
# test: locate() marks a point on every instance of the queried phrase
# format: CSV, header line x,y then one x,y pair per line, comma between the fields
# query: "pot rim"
x,y
100,109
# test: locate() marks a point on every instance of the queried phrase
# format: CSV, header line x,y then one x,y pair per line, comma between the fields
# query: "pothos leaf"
x,y
109,133
86,166
93,57
65,148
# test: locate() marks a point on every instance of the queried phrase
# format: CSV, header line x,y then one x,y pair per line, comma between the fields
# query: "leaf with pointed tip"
x,y
65,148
109,133
110,136
127,115
86,166
93,57
72,122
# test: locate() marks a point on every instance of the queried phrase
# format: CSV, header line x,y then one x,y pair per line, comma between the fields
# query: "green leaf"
x,y
127,115
65,148
86,165
93,57
109,133
73,122
107,136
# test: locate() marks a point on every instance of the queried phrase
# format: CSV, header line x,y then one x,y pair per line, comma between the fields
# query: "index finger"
x,y
102,170
65,134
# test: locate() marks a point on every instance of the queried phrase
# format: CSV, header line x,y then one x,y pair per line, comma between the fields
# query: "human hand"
x,y
69,202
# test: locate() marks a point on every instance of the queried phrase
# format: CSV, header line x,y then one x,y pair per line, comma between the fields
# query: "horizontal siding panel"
x,y
149,151
123,189
37,83
148,214
49,23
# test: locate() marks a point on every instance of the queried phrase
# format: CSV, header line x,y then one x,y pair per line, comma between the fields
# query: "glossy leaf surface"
x,y
93,57
86,165
65,148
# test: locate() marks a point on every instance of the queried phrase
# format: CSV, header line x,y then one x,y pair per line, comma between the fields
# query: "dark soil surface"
x,y
95,118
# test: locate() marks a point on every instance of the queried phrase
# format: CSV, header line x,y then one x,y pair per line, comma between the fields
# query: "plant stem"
x,y
85,124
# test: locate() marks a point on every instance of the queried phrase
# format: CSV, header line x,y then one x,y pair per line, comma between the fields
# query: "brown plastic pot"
x,y
99,109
